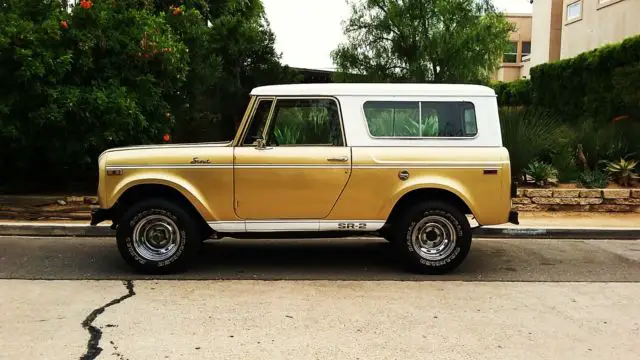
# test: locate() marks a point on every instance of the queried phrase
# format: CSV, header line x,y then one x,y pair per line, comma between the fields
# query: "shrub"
x,y
528,134
564,87
540,172
607,142
70,91
513,93
120,73
626,80
564,160
622,171
594,179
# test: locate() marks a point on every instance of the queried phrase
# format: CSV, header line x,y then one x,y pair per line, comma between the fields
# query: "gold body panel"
x,y
227,182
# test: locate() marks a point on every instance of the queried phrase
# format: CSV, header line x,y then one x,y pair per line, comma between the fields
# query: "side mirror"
x,y
260,143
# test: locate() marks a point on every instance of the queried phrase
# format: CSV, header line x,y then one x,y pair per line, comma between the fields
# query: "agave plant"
x,y
593,179
540,172
622,171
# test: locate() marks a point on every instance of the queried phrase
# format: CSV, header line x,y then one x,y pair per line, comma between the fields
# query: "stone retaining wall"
x,y
597,200
46,207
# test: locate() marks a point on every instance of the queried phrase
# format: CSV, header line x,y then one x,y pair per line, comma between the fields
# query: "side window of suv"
x,y
258,122
420,119
305,122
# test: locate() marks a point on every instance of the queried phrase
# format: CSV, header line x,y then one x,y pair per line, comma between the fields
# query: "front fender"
x,y
428,182
157,178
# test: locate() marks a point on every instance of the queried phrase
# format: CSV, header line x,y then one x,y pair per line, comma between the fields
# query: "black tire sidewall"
x,y
186,226
463,238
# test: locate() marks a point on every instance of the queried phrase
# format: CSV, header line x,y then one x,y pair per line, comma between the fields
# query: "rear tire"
x,y
157,236
433,237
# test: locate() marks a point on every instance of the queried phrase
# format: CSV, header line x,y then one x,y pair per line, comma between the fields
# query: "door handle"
x,y
338,158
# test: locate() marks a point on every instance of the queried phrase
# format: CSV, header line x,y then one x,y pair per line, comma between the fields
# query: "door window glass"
x,y
305,122
258,123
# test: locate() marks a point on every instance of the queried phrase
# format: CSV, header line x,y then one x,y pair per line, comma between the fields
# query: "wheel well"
x,y
145,191
420,195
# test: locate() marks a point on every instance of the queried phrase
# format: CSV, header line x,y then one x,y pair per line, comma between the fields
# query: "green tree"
x,y
422,41
231,52
77,83
122,72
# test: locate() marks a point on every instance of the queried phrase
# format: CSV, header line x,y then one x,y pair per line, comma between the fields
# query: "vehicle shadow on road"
x,y
322,259
374,259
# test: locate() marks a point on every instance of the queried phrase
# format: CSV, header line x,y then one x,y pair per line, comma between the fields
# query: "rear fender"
x,y
428,182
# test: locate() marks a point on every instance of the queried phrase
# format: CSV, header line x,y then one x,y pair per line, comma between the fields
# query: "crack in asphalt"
x,y
93,345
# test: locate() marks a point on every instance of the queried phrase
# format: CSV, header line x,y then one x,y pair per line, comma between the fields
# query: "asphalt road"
x,y
511,299
335,259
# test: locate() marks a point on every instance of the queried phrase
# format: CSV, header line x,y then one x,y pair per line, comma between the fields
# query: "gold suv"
x,y
407,162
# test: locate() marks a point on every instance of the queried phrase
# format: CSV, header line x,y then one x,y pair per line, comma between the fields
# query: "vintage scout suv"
x,y
407,162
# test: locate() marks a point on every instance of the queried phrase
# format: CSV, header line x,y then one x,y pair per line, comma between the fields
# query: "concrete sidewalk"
x,y
532,225
318,320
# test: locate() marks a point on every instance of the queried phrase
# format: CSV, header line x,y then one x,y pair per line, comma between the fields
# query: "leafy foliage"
x,y
513,93
594,179
422,40
75,84
564,160
302,126
622,171
597,143
609,91
119,73
540,172
528,134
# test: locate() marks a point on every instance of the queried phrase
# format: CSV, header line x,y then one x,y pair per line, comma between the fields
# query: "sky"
x,y
307,30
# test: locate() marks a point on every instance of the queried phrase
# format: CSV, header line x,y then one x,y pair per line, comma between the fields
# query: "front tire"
x,y
433,238
157,236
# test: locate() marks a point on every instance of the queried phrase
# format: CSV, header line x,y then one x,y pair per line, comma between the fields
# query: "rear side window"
x,y
419,119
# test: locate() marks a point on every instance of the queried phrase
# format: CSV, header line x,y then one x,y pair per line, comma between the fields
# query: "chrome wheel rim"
x,y
434,238
156,238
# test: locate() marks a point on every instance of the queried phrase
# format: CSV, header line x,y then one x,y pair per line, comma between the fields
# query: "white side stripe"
x,y
296,225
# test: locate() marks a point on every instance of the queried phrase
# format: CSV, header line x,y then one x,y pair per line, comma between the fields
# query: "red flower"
x,y
166,138
619,118
86,4
64,24
177,11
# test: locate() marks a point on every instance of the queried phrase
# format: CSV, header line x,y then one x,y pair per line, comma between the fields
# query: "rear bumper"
x,y
100,215
513,217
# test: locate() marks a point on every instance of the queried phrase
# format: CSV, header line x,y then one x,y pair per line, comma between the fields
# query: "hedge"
x,y
513,93
593,85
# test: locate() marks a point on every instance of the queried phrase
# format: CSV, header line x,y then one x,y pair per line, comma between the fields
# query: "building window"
x,y
511,55
605,3
574,11
425,119
526,48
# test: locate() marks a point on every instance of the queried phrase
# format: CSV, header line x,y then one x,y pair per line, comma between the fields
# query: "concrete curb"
x,y
80,230
558,233
71,230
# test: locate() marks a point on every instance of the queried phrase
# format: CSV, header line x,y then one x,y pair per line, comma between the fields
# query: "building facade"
x,y
519,47
565,28
589,24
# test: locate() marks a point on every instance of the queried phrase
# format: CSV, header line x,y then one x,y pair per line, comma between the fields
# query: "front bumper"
x,y
100,215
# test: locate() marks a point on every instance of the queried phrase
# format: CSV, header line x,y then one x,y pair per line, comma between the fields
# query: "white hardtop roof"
x,y
351,89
